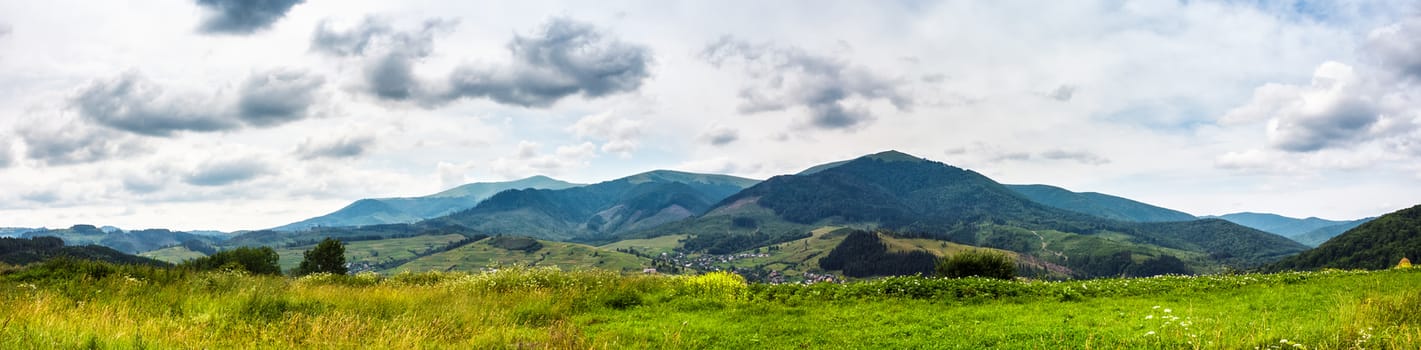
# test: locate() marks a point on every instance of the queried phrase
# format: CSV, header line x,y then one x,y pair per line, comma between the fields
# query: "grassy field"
x,y
174,255
480,255
85,305
376,251
651,246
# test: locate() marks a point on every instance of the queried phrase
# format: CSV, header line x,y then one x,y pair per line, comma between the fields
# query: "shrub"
x,y
977,263
261,261
719,285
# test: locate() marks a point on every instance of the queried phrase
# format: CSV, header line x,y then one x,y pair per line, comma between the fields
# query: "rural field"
x,y
78,304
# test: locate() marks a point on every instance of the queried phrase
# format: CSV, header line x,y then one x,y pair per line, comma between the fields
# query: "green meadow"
x,y
74,304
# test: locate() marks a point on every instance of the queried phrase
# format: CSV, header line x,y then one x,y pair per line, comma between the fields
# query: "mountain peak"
x,y
688,177
886,156
894,156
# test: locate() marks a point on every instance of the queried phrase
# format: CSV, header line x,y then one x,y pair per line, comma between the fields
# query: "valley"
x,y
776,230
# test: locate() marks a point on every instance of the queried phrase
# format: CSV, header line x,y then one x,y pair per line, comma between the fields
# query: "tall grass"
x,y
69,304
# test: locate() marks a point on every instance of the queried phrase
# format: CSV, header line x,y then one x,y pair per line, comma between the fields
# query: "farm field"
x,y
67,304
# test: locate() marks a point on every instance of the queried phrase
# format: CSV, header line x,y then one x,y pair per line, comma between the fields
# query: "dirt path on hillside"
x,y
1061,255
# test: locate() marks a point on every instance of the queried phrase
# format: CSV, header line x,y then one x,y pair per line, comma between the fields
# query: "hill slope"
x,y
407,210
523,251
20,251
130,242
1098,204
589,212
1317,237
1377,244
928,199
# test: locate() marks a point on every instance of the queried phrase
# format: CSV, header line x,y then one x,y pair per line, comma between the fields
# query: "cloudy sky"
x,y
219,114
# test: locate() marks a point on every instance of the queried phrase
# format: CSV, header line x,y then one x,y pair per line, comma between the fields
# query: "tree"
x,y
328,256
261,261
979,263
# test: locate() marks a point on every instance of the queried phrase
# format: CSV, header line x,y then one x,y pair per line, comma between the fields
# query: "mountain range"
x,y
916,197
917,208
1310,231
601,210
376,211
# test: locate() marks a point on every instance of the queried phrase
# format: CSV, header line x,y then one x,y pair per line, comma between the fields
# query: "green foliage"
x,y
1099,205
261,261
523,244
732,243
20,251
1377,244
977,263
327,257
863,254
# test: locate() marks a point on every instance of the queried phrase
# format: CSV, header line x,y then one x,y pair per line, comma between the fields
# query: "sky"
x,y
239,115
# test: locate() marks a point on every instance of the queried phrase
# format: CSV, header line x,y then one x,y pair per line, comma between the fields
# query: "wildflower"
x,y
1149,317
1149,333
1166,311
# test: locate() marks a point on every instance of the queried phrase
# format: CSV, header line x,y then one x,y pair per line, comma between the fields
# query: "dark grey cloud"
x,y
564,58
45,196
135,104
390,54
242,16
7,153
1338,122
721,136
788,77
1079,156
341,147
277,97
227,172
391,77
352,42
63,142
1063,93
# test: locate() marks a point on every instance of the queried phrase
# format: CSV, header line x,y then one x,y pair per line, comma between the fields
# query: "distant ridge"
x,y
1310,231
599,210
377,211
1099,205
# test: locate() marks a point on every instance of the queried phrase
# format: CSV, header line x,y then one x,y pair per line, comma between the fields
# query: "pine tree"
x,y
328,256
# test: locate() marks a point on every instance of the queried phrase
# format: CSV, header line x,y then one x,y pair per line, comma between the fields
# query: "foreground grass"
x,y
79,305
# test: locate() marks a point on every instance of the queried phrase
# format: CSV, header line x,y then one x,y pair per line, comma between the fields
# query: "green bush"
x,y
977,263
261,261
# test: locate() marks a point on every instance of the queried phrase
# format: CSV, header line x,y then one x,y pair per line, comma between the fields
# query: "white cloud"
x,y
1113,97
619,135
529,160
1347,117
